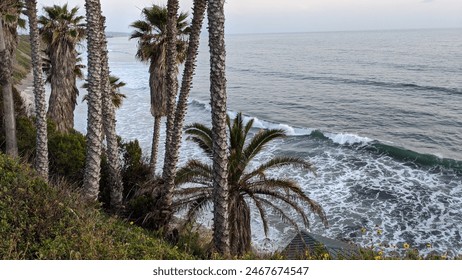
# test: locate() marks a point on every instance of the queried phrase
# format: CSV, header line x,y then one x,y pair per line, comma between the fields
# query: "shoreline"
x,y
26,91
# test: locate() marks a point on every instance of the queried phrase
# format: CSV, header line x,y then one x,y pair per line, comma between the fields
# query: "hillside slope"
x,y
38,221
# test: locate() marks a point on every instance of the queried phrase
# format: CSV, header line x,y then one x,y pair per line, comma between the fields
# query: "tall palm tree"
x,y
109,125
247,184
172,147
164,203
9,20
151,33
41,159
61,30
216,21
95,36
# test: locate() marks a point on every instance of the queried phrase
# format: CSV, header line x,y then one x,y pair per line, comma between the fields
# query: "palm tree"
x,y
61,30
41,159
247,184
117,97
216,20
109,125
11,16
9,21
95,36
78,70
151,33
172,148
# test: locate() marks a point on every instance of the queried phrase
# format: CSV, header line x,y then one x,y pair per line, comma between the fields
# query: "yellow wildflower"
x,y
406,246
378,257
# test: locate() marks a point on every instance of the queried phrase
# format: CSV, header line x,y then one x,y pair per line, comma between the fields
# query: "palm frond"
x,y
196,207
183,203
278,162
193,191
292,193
261,211
196,172
281,213
116,96
151,33
201,135
260,140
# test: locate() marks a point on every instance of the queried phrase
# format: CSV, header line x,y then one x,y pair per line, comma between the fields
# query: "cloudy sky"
x,y
275,16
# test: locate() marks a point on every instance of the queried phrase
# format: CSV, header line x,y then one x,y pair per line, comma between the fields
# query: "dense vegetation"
x,y
43,222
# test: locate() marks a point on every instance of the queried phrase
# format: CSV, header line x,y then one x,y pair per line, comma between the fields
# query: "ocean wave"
x,y
399,85
350,140
406,155
257,123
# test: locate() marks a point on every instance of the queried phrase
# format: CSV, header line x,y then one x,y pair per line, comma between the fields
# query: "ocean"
x,y
378,113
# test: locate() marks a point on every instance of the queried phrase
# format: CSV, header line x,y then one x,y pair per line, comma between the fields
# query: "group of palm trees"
x,y
165,39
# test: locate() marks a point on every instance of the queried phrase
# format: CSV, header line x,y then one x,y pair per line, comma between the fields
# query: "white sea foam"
x,y
347,138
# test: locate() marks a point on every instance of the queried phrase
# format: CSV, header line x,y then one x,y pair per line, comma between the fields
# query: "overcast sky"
x,y
275,16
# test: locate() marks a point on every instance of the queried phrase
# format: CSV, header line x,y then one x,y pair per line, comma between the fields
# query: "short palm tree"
x,y
152,47
61,30
246,184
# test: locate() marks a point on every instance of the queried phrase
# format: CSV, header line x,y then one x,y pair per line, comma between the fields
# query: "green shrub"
x,y
67,154
26,134
42,222
135,171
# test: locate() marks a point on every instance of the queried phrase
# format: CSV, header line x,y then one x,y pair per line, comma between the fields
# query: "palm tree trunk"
x,y
41,158
63,95
155,145
216,19
109,124
239,226
6,66
166,194
173,147
93,156
157,73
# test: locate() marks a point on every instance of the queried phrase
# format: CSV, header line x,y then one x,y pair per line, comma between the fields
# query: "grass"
x,y
39,221
23,64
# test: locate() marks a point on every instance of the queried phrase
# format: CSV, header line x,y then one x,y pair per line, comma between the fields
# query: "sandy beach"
x,y
26,90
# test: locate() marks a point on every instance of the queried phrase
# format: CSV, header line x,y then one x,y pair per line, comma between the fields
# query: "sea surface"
x,y
379,114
